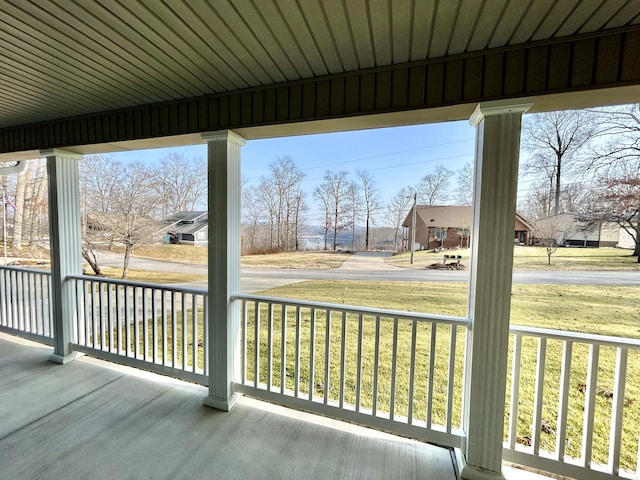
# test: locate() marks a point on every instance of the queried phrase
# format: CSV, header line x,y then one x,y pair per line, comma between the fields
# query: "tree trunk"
x,y
125,267
636,250
18,213
40,193
29,204
335,228
90,256
366,235
3,180
558,167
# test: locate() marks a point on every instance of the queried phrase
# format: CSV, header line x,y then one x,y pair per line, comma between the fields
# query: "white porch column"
x,y
224,265
66,242
494,208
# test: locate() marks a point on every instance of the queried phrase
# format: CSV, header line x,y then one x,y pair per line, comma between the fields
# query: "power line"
x,y
390,154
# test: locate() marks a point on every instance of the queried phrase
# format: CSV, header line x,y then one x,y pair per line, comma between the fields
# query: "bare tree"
x,y
6,204
38,202
333,193
264,196
252,214
179,184
300,208
619,200
354,206
287,179
19,207
464,233
433,187
323,196
464,179
396,212
537,203
99,175
617,159
127,206
549,234
371,199
622,127
90,255
555,141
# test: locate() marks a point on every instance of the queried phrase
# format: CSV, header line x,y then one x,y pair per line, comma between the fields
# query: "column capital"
x,y
223,136
499,107
57,152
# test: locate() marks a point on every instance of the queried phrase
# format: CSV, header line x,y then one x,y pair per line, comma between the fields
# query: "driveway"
x,y
371,266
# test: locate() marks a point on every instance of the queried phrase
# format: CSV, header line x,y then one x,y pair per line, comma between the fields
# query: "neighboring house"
x,y
574,230
186,228
449,226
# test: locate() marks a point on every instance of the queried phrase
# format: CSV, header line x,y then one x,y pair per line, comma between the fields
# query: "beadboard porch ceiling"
x,y
66,58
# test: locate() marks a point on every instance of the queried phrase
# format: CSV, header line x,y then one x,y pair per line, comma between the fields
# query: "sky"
x,y
396,157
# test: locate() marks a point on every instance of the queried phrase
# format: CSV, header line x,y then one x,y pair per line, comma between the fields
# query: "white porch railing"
x,y
154,327
397,371
24,303
575,410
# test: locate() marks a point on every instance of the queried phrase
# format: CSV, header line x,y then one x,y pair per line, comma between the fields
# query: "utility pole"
x,y
413,227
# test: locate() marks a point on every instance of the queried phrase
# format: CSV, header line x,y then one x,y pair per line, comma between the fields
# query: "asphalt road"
x,y
371,266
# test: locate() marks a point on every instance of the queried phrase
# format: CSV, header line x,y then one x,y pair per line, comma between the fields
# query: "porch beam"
x,y
494,208
224,266
65,247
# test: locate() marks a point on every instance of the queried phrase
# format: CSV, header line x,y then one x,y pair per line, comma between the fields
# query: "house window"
x,y
440,233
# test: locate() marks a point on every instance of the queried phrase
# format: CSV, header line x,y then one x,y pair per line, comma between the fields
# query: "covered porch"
x,y
97,77
95,419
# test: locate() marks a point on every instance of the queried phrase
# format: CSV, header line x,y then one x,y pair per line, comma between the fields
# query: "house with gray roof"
x,y
186,228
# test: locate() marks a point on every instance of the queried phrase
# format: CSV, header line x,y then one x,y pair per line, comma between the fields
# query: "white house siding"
x,y
625,240
610,235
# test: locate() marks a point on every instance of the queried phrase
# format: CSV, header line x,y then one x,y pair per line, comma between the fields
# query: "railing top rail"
x,y
577,337
26,270
354,309
156,286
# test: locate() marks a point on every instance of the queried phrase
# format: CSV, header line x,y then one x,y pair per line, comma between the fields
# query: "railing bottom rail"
x,y
566,468
418,432
142,364
34,337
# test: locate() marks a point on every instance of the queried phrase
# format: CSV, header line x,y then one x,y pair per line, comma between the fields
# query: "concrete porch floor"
x,y
93,419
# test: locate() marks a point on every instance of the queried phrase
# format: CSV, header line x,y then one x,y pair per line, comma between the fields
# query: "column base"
x,y
221,404
64,359
469,472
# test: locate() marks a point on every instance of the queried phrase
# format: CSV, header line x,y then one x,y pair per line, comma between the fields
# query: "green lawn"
x,y
150,277
595,309
198,255
535,258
